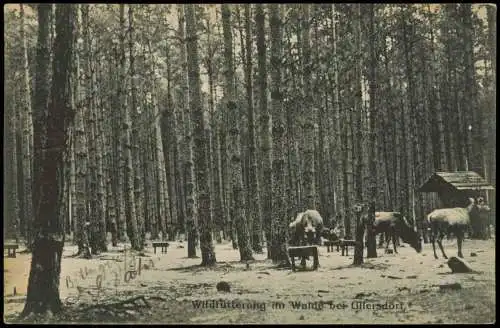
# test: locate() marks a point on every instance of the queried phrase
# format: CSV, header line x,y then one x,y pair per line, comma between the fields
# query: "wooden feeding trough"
x,y
302,252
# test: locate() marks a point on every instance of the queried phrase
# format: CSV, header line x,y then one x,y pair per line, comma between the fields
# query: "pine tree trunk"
x,y
397,118
130,212
173,155
294,188
242,137
491,115
190,183
81,155
339,158
200,161
70,228
350,222
151,183
409,116
160,172
161,185
449,85
41,99
472,112
119,144
358,217
279,223
27,140
237,190
439,144
359,144
102,205
43,283
11,198
215,160
179,165
373,173
90,122
308,116
138,183
254,207
265,128
386,155
109,157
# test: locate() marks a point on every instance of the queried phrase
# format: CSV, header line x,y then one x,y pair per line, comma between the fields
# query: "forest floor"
x,y
171,287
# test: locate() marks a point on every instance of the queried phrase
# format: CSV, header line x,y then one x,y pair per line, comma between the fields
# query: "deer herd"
x,y
307,228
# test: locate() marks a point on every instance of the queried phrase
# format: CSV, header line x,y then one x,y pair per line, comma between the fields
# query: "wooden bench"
x,y
11,249
329,245
344,244
163,244
303,251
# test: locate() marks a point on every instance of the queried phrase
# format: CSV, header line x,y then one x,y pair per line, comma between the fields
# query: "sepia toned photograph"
x,y
326,163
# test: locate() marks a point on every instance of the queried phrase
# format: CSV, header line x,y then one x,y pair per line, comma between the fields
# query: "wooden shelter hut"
x,y
455,188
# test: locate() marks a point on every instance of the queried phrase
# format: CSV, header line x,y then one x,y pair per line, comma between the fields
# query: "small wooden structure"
x,y
163,244
340,243
454,188
345,244
303,251
11,249
329,245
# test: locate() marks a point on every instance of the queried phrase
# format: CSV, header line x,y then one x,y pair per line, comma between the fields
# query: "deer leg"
x,y
460,239
381,240
394,238
387,240
440,244
433,241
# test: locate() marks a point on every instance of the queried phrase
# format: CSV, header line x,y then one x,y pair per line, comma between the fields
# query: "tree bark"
x,y
200,161
43,284
279,226
439,144
373,116
237,190
339,158
255,189
41,99
309,115
130,212
136,150
27,140
190,183
81,155
265,127
119,139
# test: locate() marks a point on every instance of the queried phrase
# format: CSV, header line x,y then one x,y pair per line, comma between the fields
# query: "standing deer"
x,y
444,220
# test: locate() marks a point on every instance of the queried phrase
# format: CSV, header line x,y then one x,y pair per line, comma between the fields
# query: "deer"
x,y
444,220
307,228
394,225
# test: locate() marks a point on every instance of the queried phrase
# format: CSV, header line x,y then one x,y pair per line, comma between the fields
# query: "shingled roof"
x,y
461,180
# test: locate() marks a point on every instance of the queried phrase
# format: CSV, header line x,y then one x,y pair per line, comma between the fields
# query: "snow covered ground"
x,y
393,288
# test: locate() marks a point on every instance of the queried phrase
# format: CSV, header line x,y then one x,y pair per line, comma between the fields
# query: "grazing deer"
x,y
307,228
394,225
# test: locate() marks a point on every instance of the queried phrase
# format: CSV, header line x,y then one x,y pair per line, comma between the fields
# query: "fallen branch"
x,y
120,305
